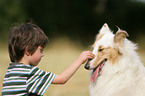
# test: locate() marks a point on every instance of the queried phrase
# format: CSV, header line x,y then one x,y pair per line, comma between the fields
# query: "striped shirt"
x,y
23,80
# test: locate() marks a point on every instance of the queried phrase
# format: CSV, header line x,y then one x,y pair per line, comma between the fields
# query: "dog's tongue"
x,y
95,74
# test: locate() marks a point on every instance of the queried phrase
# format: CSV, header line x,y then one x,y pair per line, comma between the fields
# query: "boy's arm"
x,y
63,77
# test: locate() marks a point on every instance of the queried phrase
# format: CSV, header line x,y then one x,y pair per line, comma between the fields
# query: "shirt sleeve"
x,y
38,81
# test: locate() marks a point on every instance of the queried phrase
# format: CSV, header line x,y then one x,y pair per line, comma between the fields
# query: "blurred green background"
x,y
71,26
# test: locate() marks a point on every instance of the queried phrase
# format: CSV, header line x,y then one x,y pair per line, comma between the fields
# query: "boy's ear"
x,y
119,39
26,51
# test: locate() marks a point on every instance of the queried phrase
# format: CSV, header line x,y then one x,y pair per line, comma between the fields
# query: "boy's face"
x,y
36,57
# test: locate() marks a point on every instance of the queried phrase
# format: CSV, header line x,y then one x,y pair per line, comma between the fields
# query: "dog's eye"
x,y
100,50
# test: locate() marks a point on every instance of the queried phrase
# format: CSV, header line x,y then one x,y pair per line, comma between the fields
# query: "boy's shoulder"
x,y
22,67
19,66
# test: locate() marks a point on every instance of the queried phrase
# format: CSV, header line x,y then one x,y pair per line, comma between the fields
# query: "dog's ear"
x,y
119,39
105,29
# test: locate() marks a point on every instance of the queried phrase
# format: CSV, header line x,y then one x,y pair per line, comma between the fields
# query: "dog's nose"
x,y
87,66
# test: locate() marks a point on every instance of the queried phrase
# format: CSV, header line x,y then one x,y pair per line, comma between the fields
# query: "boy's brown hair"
x,y
25,35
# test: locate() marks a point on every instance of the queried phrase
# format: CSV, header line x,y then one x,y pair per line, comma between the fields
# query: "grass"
x,y
59,55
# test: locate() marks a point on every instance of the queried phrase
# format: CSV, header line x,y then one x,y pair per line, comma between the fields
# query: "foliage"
x,y
78,19
11,12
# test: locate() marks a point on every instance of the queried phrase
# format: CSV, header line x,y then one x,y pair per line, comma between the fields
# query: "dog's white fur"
x,y
123,77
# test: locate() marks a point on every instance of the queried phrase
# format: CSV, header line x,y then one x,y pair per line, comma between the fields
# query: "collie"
x,y
116,69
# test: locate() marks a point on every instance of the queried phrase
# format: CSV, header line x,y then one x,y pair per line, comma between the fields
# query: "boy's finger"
x,y
92,55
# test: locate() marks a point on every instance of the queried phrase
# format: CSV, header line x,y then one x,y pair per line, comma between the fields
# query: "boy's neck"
x,y
24,60
23,63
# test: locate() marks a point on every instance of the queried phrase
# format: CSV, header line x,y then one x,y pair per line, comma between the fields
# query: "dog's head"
x,y
107,48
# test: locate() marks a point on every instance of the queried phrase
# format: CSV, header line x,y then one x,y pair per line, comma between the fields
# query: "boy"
x,y
25,44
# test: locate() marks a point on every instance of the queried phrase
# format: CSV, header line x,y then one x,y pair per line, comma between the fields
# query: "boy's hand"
x,y
85,55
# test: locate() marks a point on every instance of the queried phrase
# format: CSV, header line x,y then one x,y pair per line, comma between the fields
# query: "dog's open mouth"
x,y
97,71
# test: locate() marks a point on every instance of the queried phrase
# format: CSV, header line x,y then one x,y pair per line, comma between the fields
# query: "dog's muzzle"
x,y
87,66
